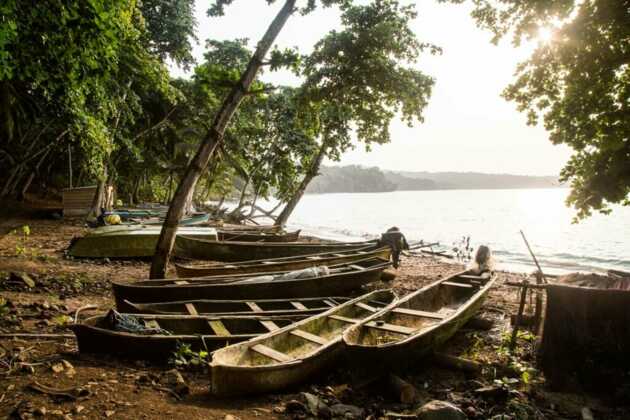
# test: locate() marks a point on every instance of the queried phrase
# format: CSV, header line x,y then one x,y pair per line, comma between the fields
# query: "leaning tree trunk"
x,y
282,218
212,139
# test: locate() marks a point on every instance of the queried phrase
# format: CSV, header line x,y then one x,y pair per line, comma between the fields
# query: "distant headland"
x,y
354,178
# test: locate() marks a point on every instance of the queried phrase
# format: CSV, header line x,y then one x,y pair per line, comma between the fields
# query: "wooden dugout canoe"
x,y
260,307
95,334
130,241
257,236
281,264
202,249
418,323
337,283
292,354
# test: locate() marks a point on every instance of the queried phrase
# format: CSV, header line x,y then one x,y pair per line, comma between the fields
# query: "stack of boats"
x,y
276,311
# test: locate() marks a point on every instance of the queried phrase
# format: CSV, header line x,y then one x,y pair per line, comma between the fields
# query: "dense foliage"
x,y
579,82
84,85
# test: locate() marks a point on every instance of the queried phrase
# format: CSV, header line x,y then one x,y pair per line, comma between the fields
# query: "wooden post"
x,y
70,165
519,315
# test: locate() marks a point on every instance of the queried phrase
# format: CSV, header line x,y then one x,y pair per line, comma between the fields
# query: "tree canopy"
x,y
578,83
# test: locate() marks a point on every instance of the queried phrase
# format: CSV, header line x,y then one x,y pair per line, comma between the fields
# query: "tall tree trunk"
x,y
70,164
282,218
212,139
97,201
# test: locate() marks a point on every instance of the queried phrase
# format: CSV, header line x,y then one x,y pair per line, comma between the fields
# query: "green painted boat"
x,y
127,241
418,323
207,249
293,354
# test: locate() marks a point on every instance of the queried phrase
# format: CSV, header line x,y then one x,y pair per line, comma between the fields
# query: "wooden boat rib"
x,y
419,322
283,264
127,241
337,283
292,354
260,307
96,334
202,249
260,236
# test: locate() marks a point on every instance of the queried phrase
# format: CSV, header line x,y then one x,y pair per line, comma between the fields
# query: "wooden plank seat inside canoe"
x,y
416,312
270,353
298,305
218,328
366,307
344,319
472,277
270,325
384,326
456,284
309,337
190,308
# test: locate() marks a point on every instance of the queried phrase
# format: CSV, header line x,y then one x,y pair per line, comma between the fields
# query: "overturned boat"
x,y
156,337
283,264
292,354
204,249
418,323
318,281
260,307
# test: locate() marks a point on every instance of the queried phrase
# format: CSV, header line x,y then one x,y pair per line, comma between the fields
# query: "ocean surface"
x,y
490,217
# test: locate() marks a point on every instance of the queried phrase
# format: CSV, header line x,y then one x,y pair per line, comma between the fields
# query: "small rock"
x,y
109,413
70,372
347,411
315,405
57,367
440,410
77,409
295,406
230,417
41,411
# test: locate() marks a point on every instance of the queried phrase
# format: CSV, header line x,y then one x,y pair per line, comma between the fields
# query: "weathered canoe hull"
x,y
193,248
406,352
228,381
231,379
262,236
126,241
93,339
337,284
281,264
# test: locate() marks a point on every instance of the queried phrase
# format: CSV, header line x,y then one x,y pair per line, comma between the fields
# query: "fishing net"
x,y
131,324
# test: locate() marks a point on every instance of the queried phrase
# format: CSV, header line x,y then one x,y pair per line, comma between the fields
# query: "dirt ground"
x,y
40,291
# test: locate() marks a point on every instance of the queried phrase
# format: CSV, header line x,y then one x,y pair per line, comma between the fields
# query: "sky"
x,y
468,126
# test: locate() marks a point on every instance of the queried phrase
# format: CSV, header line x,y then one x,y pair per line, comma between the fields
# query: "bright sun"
x,y
545,34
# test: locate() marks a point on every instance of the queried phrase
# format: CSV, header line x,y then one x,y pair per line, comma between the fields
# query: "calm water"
x,y
491,217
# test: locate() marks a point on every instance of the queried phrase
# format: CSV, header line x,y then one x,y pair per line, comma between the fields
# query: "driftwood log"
x,y
401,389
457,363
586,337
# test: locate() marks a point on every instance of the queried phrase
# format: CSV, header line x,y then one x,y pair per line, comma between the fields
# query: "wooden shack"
x,y
78,201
